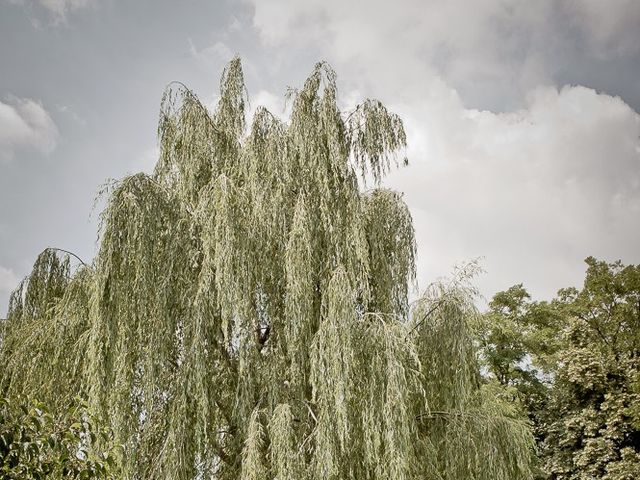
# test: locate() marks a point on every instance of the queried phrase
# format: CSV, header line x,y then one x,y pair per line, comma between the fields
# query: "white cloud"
x,y
24,123
533,190
491,51
274,103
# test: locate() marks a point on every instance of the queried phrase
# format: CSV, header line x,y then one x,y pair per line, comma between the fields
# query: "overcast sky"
x,y
522,116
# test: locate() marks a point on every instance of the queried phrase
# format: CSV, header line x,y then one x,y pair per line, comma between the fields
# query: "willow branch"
x,y
68,253
426,315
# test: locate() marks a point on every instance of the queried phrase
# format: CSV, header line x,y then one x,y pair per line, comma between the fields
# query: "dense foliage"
x,y
575,364
246,316
34,444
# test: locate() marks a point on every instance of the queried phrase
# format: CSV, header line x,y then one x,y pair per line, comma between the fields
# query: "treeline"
x,y
573,366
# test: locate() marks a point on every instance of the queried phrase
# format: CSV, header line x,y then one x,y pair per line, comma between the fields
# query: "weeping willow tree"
x,y
247,315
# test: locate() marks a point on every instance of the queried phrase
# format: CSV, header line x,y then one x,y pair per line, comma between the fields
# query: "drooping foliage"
x,y
476,432
247,313
44,336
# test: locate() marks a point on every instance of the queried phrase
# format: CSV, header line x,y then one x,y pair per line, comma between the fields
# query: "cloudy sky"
x,y
522,117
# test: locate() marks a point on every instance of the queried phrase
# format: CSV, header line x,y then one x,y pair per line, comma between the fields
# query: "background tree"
x,y
593,430
574,364
519,341
246,315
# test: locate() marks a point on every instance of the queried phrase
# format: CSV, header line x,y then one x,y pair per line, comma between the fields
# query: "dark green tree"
x,y
574,365
35,444
593,429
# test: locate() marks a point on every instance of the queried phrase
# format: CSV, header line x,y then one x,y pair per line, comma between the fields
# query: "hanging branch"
x,y
68,253
427,315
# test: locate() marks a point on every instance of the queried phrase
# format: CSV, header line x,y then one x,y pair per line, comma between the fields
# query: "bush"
x,y
36,445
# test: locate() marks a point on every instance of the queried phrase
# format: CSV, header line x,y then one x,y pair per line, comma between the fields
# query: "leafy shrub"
x,y
34,444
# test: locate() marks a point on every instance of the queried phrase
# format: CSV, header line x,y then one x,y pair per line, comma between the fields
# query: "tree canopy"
x,y
573,363
247,314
